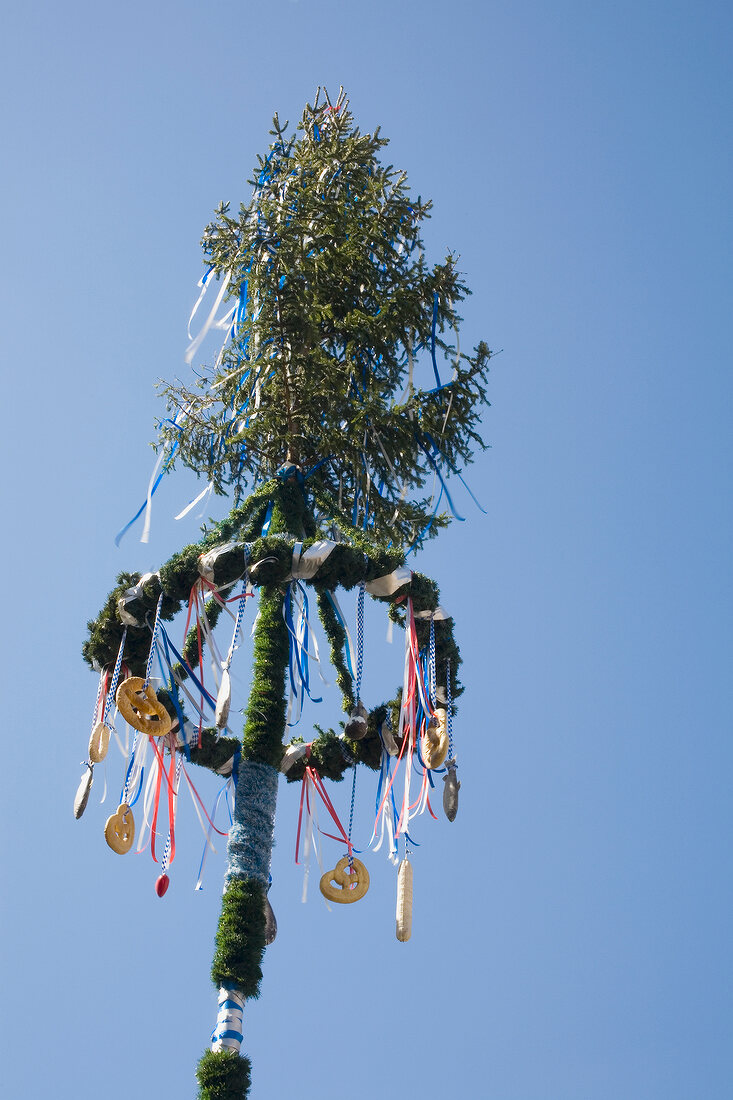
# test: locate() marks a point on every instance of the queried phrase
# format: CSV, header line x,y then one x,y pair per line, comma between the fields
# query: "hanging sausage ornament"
x,y
344,884
404,901
450,790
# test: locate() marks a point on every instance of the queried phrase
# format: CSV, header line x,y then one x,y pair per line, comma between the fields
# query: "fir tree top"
x,y
334,302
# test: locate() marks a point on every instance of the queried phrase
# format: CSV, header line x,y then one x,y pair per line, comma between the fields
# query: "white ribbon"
x,y
440,614
203,283
208,561
204,492
387,585
129,595
195,344
307,563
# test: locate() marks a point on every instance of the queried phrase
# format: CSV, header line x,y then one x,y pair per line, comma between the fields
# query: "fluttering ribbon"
x,y
155,479
198,340
349,647
300,635
226,792
312,786
415,711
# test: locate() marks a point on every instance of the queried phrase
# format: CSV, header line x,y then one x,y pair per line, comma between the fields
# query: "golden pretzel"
x,y
435,742
98,743
140,706
119,832
350,887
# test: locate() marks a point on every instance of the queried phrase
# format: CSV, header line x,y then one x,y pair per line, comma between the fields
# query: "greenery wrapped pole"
x,y
314,400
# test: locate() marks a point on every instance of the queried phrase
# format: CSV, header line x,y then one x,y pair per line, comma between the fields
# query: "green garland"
x,y
240,938
223,1075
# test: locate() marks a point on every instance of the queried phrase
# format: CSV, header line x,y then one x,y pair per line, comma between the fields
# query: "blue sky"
x,y
571,936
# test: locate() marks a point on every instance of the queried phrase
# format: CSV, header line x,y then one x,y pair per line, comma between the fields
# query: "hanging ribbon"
x,y
314,778
155,480
226,793
349,648
299,634
197,340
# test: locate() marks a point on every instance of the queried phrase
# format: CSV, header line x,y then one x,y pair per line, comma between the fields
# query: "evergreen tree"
x,y
334,299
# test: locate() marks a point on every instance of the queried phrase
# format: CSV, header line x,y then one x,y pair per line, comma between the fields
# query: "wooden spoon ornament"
x,y
140,706
119,832
344,886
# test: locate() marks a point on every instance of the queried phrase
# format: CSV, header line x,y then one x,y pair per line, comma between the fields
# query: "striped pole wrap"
x,y
228,1034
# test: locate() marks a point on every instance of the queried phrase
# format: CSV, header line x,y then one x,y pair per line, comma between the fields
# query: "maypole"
x,y
315,417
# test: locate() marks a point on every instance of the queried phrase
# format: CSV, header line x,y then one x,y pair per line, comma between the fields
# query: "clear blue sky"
x,y
572,927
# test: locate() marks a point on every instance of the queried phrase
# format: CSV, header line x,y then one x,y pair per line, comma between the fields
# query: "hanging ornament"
x,y
345,884
223,700
388,738
404,901
356,726
435,742
99,743
270,923
139,706
161,885
119,832
224,696
450,790
83,791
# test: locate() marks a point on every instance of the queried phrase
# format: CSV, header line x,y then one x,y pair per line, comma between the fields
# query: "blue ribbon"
x,y
268,518
340,618
187,669
432,339
298,662
173,689
434,464
120,534
453,470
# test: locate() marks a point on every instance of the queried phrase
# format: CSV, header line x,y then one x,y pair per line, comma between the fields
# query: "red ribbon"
x,y
311,775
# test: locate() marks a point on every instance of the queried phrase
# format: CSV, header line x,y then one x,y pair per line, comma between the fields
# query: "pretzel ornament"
x,y
140,706
435,742
343,886
119,832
